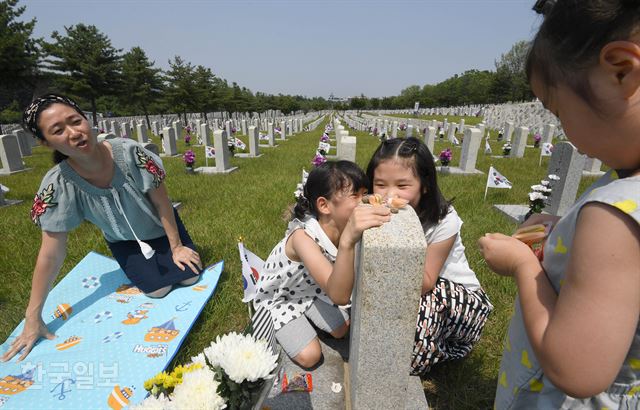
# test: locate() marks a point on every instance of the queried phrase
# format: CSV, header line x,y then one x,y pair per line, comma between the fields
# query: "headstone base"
x,y
416,400
331,371
247,155
3,172
268,146
334,369
592,174
458,171
514,213
9,202
214,170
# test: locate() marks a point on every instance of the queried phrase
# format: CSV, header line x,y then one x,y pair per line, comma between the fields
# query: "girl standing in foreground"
x,y
310,272
453,306
574,340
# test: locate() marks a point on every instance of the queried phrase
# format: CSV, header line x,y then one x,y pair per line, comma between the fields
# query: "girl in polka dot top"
x,y
310,272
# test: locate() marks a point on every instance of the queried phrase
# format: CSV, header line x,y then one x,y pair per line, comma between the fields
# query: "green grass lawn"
x,y
252,202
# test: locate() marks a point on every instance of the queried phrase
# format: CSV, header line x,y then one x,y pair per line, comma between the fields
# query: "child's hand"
x,y
363,217
536,219
505,255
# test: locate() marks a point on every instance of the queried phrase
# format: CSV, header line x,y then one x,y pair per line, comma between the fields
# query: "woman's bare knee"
x,y
310,355
159,293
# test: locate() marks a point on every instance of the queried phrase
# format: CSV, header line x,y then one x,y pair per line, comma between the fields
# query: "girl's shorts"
x,y
297,334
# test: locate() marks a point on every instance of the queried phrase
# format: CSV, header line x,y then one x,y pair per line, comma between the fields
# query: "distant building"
x,y
333,99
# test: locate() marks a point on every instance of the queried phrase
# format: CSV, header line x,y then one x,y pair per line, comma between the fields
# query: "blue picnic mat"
x,y
110,339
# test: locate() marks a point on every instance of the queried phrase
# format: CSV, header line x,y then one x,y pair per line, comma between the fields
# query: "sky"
x,y
307,47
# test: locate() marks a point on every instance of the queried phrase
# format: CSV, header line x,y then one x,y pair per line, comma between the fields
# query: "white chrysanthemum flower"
x,y
535,195
241,357
198,391
554,177
544,182
540,188
199,359
153,403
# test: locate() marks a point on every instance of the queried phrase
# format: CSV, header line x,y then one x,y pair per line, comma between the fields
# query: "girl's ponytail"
x,y
325,181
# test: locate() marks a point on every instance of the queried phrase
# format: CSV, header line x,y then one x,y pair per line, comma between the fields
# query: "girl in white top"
x,y
453,306
311,270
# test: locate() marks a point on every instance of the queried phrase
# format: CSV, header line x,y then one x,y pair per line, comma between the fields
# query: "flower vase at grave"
x,y
189,159
445,158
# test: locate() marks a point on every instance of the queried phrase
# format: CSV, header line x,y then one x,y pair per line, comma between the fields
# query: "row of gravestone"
x,y
345,144
165,119
519,135
218,139
495,115
17,145
566,162
125,128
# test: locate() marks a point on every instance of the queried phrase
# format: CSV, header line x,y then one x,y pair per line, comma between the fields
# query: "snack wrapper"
x,y
393,203
535,236
299,382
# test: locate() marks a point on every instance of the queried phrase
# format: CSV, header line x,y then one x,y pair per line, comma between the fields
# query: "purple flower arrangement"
x,y
536,140
189,158
445,157
318,160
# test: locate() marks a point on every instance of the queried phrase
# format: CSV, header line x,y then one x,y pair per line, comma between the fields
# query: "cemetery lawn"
x,y
251,203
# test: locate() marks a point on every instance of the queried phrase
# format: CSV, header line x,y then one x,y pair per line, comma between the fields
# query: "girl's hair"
x,y
325,181
571,37
31,115
432,206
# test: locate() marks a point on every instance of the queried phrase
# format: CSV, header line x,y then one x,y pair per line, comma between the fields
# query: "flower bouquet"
x,y
189,159
445,157
319,159
539,195
536,140
506,149
230,373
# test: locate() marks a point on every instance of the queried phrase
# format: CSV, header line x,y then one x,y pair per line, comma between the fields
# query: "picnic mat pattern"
x,y
110,339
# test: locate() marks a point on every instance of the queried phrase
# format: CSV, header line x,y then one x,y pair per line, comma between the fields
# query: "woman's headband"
x,y
30,114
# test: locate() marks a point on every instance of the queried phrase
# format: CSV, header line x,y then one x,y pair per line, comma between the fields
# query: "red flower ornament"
x,y
146,162
41,202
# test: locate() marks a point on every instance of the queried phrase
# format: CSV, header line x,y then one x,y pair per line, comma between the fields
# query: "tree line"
x,y
82,62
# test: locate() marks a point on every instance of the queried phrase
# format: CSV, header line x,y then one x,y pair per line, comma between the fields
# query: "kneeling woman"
x,y
115,184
